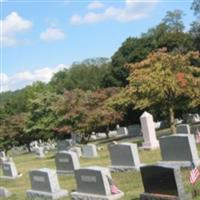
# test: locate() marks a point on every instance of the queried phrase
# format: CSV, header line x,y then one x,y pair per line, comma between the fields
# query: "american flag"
x,y
194,175
113,187
197,136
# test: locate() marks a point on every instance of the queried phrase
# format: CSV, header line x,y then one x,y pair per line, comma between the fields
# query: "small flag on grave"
x,y
197,136
113,187
194,174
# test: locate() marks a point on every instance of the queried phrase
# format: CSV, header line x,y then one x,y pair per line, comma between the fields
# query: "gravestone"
x,y
124,157
9,170
66,162
148,131
183,129
122,131
89,151
134,130
3,157
162,183
39,152
179,150
93,184
4,193
77,150
64,145
45,185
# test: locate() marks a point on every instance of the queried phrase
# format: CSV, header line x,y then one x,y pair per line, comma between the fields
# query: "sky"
x,y
41,37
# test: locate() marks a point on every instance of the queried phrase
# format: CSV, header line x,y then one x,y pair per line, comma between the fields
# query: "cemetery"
x,y
100,100
160,173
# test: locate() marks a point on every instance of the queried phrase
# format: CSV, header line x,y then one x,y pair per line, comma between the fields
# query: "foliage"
x,y
86,76
168,79
173,19
41,119
196,7
86,111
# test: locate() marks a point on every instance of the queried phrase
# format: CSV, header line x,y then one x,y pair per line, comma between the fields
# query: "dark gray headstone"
x,y
163,180
134,130
93,183
44,184
179,147
9,170
66,162
183,128
124,156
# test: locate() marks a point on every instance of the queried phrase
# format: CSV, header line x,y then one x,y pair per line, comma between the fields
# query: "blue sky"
x,y
38,38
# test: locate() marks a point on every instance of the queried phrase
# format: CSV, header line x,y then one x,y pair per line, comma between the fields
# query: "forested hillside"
x,y
158,71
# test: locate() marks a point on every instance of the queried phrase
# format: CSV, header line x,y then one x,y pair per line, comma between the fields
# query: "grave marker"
x,y
45,185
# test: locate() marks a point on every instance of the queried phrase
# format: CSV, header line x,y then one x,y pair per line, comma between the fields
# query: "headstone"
x,y
89,151
64,145
134,130
77,150
183,129
66,162
94,183
4,193
122,131
179,150
162,183
2,154
3,157
148,130
124,157
193,118
39,151
45,185
9,170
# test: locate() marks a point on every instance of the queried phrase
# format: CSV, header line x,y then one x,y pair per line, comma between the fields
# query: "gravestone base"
x,y
89,157
181,164
150,146
150,196
37,195
63,172
125,168
84,196
11,177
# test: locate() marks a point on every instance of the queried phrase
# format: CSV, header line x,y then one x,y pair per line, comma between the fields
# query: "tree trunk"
x,y
172,120
107,132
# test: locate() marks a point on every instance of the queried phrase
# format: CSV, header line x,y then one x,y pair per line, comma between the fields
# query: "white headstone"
x,y
89,151
39,151
4,193
148,131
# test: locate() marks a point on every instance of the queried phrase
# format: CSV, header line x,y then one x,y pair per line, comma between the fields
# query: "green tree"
x,y
173,19
165,79
196,7
42,119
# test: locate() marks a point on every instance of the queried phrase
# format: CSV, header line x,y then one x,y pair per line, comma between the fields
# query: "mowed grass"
x,y
129,182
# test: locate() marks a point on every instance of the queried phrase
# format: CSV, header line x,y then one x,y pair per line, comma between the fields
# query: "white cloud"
x,y
12,25
52,34
133,10
21,79
95,5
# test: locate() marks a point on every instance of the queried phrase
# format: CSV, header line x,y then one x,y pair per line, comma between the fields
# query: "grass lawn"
x,y
129,182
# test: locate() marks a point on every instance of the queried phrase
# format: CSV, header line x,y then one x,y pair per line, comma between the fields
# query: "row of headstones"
x,y
176,149
96,183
